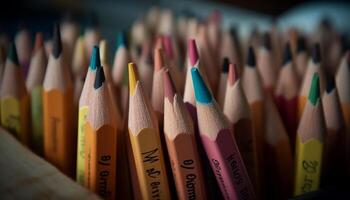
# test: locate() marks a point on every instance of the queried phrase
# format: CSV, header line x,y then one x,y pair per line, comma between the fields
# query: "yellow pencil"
x,y
145,142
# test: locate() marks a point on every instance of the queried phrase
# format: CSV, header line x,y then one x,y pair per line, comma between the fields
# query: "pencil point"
x,y
330,84
133,77
12,54
232,74
201,91
225,65
267,41
121,39
301,45
169,88
316,54
287,55
168,45
314,93
159,62
159,42
39,41
100,78
95,61
57,43
251,57
193,52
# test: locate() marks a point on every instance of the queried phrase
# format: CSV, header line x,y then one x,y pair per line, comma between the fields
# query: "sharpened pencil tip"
x,y
159,62
330,84
251,57
169,88
168,46
232,74
100,78
267,41
39,41
287,57
225,65
121,40
12,54
314,92
133,77
95,61
316,53
201,91
57,43
193,52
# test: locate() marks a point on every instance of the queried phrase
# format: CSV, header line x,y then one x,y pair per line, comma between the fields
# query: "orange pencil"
x,y
101,138
279,161
14,98
342,83
334,147
286,95
59,135
181,143
34,84
314,66
237,111
252,87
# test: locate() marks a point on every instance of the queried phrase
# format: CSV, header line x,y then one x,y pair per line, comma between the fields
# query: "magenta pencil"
x,y
220,145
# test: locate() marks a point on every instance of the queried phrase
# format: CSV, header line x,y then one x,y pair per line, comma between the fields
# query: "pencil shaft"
x,y
37,119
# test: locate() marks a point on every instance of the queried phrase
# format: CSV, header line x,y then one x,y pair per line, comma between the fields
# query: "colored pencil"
x,y
314,65
69,35
101,138
342,82
59,136
157,97
230,47
252,87
220,145
286,95
14,98
34,84
223,82
120,59
301,58
23,42
146,67
279,161
333,167
84,103
265,64
79,62
237,111
145,142
91,35
181,143
309,143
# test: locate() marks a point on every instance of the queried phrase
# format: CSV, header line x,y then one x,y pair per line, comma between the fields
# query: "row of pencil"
x,y
215,128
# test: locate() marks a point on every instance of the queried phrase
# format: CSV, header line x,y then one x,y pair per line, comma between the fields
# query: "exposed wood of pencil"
x,y
15,99
34,84
145,142
181,143
157,97
43,180
335,138
222,82
237,111
342,84
301,58
279,160
121,59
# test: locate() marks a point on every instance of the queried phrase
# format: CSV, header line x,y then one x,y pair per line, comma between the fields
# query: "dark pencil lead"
x,y
267,41
316,53
251,57
330,84
95,61
301,45
225,65
100,78
57,44
12,54
287,57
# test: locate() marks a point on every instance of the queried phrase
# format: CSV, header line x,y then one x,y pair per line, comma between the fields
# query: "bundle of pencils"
x,y
177,114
